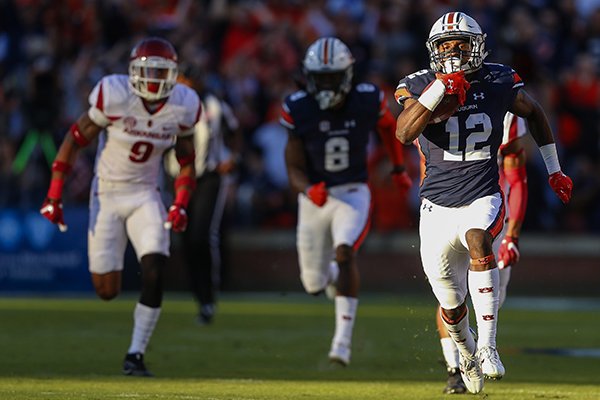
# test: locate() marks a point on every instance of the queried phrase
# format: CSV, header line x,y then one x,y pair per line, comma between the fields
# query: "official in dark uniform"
x,y
462,209
329,127
215,160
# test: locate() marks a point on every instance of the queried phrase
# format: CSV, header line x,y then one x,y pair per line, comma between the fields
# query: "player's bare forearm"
x,y
296,164
411,121
527,107
513,228
184,150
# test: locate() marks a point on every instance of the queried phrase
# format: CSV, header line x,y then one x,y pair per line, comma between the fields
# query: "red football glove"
x,y
52,210
177,218
562,186
402,181
508,253
455,84
317,193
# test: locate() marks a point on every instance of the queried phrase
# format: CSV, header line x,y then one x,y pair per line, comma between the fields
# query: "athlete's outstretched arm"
x,y
80,135
185,183
513,167
525,106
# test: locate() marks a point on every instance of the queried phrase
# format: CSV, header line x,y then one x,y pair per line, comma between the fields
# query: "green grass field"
x,y
274,346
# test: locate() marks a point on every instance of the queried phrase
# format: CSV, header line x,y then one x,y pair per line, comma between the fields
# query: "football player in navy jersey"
x,y
462,207
329,124
513,181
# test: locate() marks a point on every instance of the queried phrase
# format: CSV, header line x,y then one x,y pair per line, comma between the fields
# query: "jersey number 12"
x,y
475,138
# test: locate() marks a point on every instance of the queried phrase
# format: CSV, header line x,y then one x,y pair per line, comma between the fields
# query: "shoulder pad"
x,y
500,73
110,94
300,94
366,87
411,86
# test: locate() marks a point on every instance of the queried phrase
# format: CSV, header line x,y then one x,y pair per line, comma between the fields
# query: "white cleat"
x,y
340,354
491,365
470,370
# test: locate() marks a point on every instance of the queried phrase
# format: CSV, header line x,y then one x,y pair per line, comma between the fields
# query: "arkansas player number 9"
x,y
140,152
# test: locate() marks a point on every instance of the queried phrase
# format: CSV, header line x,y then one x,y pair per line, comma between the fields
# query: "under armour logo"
x,y
478,96
488,317
427,207
450,84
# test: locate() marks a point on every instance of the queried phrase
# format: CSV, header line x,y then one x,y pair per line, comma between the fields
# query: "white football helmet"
x,y
456,25
153,69
328,67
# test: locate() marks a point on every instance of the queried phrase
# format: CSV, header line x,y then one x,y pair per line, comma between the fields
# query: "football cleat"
x,y
470,371
340,354
134,365
491,365
207,314
454,384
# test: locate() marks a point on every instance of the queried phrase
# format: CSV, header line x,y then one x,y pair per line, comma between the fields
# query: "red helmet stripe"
x,y
326,52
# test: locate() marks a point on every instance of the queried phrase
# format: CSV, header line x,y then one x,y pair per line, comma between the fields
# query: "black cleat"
x,y
455,384
134,365
207,314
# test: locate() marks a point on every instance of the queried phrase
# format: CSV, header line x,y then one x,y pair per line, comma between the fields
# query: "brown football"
x,y
445,109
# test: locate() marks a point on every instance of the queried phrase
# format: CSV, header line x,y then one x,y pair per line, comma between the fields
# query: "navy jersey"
x,y
461,152
335,141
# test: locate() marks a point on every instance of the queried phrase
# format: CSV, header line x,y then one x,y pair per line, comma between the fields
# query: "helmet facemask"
x,y
152,78
450,61
329,88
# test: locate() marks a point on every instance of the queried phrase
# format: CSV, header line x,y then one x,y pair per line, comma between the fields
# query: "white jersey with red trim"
x,y
514,128
132,146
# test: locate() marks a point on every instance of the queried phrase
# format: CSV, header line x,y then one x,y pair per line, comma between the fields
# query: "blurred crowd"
x,y
52,52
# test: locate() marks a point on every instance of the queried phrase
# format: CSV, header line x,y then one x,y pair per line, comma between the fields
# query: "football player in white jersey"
x,y
136,117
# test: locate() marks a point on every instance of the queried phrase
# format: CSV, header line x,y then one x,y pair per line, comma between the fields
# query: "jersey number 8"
x,y
336,154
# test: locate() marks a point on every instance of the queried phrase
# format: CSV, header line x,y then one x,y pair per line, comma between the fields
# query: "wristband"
x,y
431,97
550,157
56,187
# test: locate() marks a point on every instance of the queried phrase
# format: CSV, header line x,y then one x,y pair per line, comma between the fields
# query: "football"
x,y
445,109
